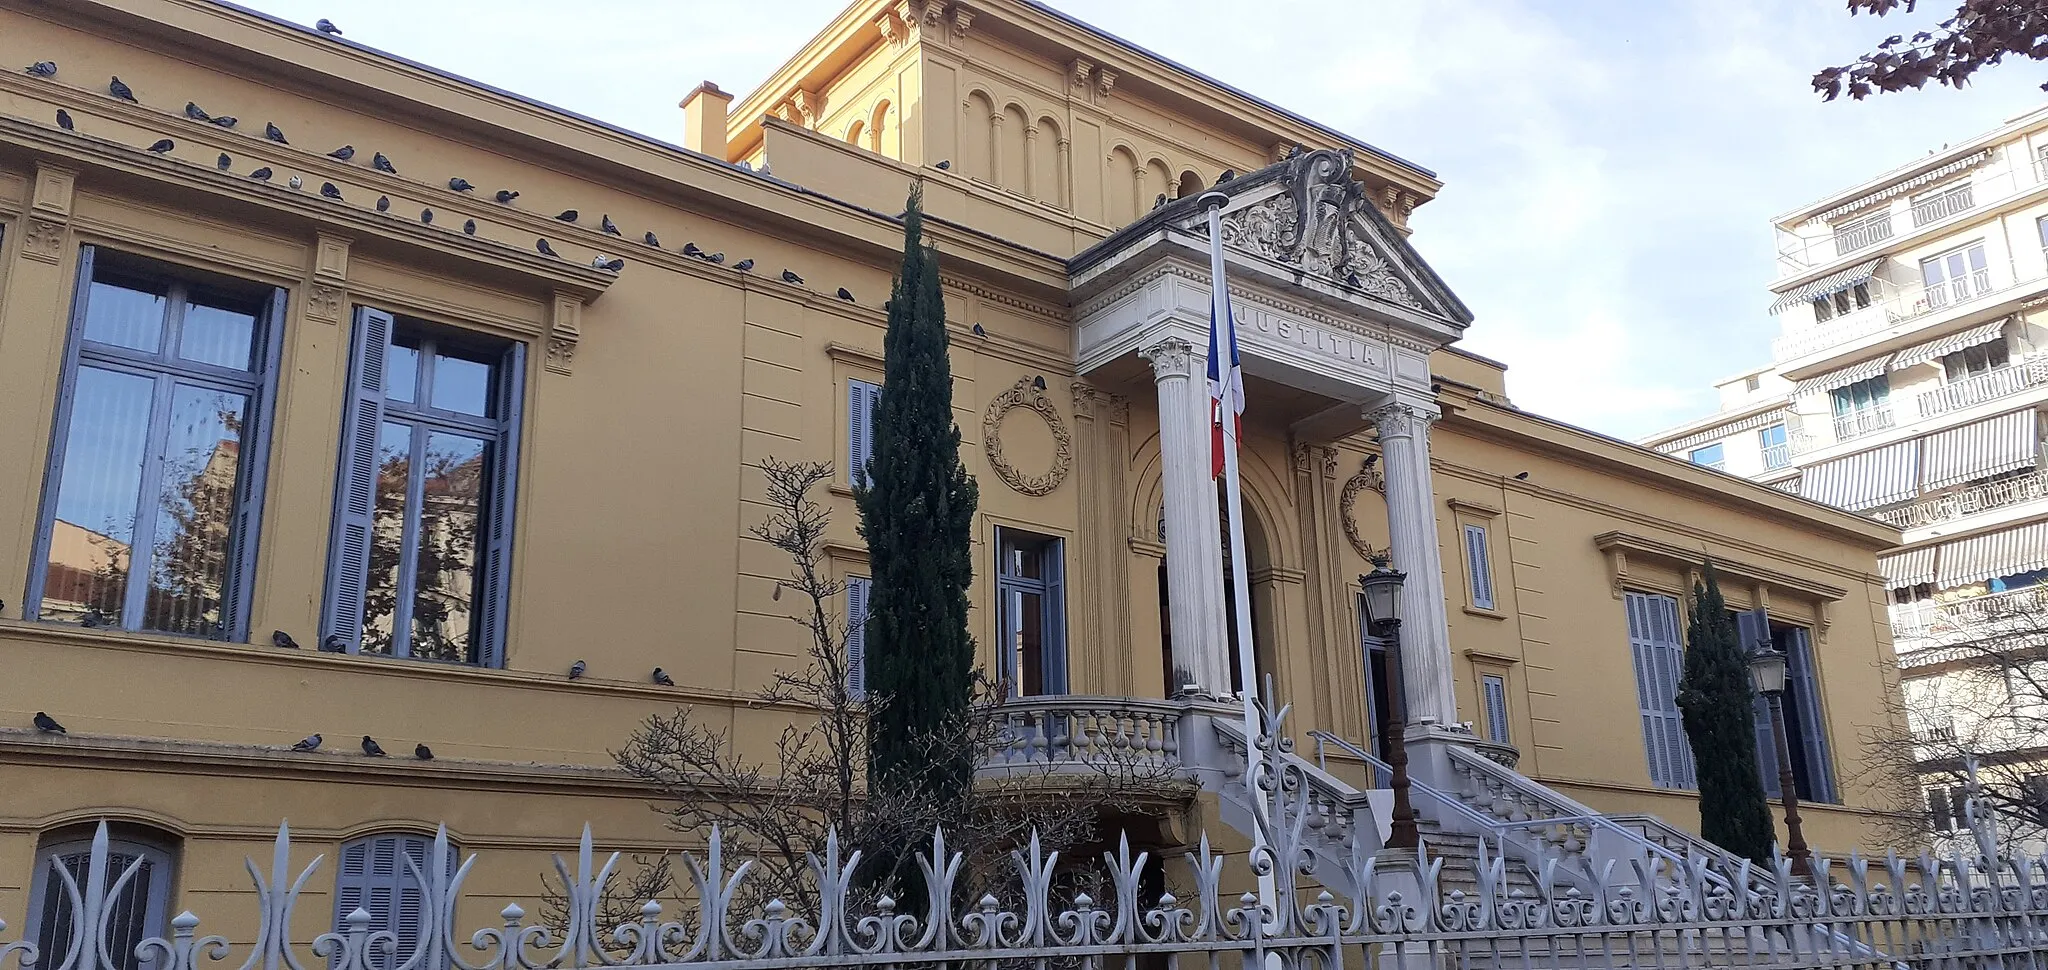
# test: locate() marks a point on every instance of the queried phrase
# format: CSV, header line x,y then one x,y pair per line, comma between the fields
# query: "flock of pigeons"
x,y
383,163
46,724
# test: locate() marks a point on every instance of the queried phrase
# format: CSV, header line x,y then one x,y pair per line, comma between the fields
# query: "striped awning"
x,y
1909,568
1979,449
1895,189
1761,420
1979,558
1788,485
1881,476
1828,285
1943,346
1841,378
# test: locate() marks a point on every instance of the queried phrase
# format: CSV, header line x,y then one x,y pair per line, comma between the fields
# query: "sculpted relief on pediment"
x,y
1319,222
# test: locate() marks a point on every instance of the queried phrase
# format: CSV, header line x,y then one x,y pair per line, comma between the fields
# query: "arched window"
x,y
854,133
1190,184
137,911
373,876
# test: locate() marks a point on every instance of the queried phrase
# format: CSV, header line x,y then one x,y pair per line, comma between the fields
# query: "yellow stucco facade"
x,y
651,392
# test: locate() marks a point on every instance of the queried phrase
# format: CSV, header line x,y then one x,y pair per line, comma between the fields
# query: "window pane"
x,y
126,314
450,512
195,511
387,536
402,367
462,385
128,916
216,332
1024,630
97,494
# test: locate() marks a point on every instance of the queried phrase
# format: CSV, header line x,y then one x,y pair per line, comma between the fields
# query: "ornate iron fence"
x,y
1260,908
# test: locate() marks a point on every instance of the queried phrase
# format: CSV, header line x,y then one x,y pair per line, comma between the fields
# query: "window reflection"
x,y
450,511
96,496
402,368
127,313
215,332
195,510
462,386
387,537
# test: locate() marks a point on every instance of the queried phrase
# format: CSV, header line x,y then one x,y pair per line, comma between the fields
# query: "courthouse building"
x,y
1908,385
424,406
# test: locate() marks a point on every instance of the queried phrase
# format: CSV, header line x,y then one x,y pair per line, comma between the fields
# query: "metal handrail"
x,y
1581,813
1385,770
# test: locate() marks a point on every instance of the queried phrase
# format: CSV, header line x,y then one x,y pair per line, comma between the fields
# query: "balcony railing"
x,y
1962,289
1978,619
1902,304
1778,455
1942,206
1988,386
1812,245
1970,501
1855,424
1066,729
1864,232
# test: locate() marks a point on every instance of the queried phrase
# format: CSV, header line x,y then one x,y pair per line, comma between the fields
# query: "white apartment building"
x,y
1908,383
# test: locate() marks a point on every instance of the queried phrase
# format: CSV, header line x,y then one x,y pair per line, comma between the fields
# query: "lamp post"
x,y
1767,673
1382,588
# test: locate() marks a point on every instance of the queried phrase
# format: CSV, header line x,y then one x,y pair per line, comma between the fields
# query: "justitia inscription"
x,y
1340,346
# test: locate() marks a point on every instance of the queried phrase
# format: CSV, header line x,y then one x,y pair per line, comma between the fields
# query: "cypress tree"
x,y
917,515
1717,699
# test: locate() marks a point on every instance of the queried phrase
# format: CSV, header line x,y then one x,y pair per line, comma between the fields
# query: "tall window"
x,y
1712,456
1863,407
1494,701
1945,808
421,552
1653,638
862,398
155,483
373,875
857,636
1031,613
1478,567
1772,441
1955,276
1806,735
136,913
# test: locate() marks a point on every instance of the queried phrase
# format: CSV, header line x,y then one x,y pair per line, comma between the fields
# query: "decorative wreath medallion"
x,y
1367,477
1029,394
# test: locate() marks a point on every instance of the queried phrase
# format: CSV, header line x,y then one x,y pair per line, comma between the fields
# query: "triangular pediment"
x,y
1308,213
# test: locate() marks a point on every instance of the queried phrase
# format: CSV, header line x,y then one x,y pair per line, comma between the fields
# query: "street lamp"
x,y
1382,589
1767,673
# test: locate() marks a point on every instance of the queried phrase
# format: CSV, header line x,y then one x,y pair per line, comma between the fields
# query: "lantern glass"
x,y
1382,589
1767,671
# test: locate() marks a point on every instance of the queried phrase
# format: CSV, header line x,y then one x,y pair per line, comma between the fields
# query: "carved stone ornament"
x,y
1026,394
43,240
323,303
561,353
1368,477
1316,225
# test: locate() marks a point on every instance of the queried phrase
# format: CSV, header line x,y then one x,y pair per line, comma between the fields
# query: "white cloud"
x,y
1610,166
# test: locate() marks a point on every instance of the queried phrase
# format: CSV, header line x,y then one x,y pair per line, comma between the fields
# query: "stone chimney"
x,y
704,111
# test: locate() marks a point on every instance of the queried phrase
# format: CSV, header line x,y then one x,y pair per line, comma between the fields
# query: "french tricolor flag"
x,y
1226,381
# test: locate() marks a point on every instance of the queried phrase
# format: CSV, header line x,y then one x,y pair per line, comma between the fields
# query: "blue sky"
x,y
1610,168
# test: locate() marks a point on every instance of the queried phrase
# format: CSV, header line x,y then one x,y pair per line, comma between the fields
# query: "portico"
x,y
1329,301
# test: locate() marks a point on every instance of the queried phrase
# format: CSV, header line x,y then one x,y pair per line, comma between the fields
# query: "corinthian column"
x,y
1194,544
1411,523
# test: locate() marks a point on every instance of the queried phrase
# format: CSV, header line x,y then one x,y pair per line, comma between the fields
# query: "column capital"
x,y
1400,420
1171,357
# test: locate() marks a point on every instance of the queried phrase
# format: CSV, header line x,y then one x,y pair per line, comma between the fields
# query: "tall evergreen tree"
x,y
1718,701
917,515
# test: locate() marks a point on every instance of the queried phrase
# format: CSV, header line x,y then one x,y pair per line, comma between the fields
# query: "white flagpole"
x,y
1241,601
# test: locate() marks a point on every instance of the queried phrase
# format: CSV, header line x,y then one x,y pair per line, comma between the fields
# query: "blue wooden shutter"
x,y
1753,632
1496,707
355,492
1478,567
857,636
373,875
861,400
1054,569
495,590
1804,694
1653,640
241,577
